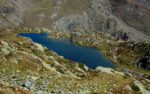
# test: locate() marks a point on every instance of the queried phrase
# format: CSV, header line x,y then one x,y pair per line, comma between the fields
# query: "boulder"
x,y
86,67
140,86
106,70
39,47
5,51
29,84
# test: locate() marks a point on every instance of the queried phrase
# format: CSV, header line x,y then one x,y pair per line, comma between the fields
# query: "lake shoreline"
x,y
65,42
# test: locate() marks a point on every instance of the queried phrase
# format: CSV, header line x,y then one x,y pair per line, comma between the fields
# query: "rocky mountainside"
x,y
116,17
135,13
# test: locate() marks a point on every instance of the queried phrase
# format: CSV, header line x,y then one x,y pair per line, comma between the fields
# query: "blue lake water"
x,y
88,56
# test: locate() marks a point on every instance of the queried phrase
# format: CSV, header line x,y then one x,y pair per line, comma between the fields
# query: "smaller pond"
x,y
88,56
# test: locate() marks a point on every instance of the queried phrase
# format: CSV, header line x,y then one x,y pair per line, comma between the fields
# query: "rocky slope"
x,y
86,16
133,12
